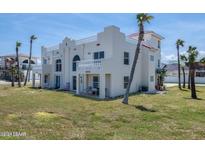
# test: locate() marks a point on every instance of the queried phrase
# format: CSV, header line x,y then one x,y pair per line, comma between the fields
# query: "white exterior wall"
x,y
172,77
114,44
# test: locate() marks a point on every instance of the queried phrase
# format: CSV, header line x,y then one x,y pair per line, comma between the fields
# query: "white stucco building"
x,y
172,74
100,65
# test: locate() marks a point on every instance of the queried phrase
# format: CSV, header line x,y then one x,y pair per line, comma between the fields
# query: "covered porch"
x,y
37,76
93,85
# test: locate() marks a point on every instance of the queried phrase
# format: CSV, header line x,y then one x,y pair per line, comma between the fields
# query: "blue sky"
x,y
52,28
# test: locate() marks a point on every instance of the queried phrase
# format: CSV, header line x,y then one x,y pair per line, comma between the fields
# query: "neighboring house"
x,y
172,74
100,65
5,64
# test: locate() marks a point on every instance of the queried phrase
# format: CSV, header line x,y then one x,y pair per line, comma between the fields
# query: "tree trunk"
x,y
179,71
18,69
12,77
29,65
184,79
193,88
137,51
189,78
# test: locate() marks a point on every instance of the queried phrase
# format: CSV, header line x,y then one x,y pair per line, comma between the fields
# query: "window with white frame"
x,y
58,65
44,61
46,79
200,74
98,55
95,81
158,44
151,57
158,64
126,58
126,81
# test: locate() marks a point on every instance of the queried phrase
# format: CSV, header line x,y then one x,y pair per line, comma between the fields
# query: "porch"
x,y
93,85
37,76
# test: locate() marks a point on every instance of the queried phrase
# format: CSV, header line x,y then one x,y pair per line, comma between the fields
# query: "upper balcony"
x,y
90,66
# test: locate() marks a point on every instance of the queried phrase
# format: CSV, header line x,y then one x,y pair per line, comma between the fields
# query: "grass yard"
x,y
45,114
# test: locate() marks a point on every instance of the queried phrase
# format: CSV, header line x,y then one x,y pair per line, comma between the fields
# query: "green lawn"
x,y
45,114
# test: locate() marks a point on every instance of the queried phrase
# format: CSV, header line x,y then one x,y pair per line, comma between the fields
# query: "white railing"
x,y
89,65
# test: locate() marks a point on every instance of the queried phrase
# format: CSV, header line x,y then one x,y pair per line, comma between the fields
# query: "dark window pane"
x,y
126,58
74,66
101,54
95,55
126,80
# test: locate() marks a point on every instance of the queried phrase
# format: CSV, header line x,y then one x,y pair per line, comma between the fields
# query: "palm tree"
x,y
33,37
161,72
185,60
18,45
179,43
192,55
202,60
141,19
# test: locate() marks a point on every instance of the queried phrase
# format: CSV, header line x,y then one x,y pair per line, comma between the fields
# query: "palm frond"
x,y
144,17
33,37
18,44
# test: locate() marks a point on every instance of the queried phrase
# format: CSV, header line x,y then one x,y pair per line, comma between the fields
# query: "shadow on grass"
x,y
92,97
144,109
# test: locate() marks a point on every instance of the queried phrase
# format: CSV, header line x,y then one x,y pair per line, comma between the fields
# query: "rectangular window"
x,y
200,74
158,44
126,58
151,58
44,61
46,79
151,78
95,82
159,63
126,81
95,55
99,55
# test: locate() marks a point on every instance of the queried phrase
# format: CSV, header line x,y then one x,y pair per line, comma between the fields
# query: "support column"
x,y
102,86
77,84
33,79
41,78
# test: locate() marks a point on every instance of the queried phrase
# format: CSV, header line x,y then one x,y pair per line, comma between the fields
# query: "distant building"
x,y
6,60
172,74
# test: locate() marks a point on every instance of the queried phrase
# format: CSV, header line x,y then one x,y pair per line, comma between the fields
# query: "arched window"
x,y
58,65
75,59
26,61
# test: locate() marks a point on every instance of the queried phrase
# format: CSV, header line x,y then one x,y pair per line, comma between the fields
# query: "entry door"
x,y
74,82
57,82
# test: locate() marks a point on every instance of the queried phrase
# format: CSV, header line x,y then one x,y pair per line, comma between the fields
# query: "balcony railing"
x,y
89,65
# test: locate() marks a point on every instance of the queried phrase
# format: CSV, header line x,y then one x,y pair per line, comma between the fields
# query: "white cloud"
x,y
170,58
